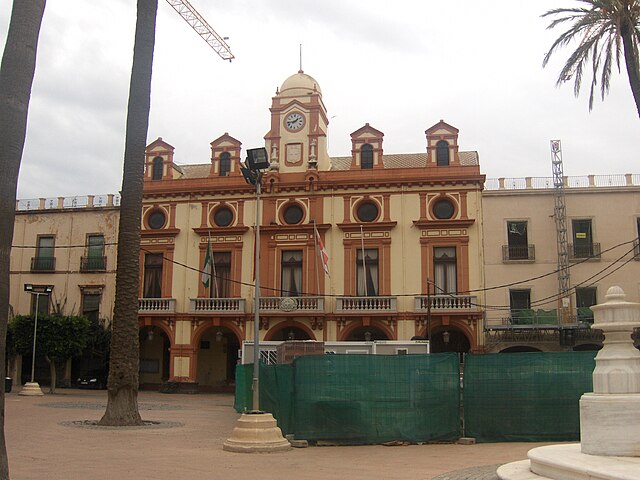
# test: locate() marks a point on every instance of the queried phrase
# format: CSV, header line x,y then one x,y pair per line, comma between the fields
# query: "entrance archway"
x,y
155,357
366,334
450,340
217,359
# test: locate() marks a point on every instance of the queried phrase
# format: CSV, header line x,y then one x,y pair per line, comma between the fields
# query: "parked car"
x,y
96,379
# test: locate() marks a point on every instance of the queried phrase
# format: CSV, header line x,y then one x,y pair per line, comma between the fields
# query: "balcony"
x,y
636,249
217,305
366,304
93,264
292,304
466,303
584,251
156,305
43,264
518,253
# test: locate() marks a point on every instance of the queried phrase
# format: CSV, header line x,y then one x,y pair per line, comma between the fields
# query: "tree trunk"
x,y
631,61
122,401
54,375
16,77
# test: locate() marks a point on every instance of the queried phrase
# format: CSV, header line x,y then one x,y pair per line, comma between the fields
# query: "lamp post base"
x,y
31,389
256,432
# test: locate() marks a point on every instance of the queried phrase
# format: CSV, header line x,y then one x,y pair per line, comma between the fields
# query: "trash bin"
x,y
8,383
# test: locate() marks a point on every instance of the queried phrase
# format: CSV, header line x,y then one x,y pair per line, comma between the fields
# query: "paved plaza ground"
x,y
42,446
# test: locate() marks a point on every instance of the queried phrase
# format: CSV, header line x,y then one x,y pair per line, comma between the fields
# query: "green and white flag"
x,y
206,269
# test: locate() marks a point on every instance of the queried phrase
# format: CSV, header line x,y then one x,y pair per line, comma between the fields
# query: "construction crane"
x,y
202,28
560,215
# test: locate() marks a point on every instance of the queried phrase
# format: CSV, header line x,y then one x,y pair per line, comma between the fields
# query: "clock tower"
x,y
297,141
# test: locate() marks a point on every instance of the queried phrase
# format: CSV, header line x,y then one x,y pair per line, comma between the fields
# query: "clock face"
x,y
294,121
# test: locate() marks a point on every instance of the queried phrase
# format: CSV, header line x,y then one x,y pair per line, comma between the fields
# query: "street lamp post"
x,y
32,387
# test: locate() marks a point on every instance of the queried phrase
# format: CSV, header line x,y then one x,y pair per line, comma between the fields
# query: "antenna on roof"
x,y
300,71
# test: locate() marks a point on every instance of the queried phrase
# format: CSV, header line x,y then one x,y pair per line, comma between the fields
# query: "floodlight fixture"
x,y
250,177
257,159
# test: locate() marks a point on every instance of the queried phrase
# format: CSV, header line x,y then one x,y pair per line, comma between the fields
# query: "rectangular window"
x,y
517,240
582,238
367,273
636,243
152,275
91,306
41,302
585,298
520,306
445,272
291,271
94,257
44,260
221,284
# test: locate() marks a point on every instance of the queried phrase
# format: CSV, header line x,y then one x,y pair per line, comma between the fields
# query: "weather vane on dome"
x,y
300,71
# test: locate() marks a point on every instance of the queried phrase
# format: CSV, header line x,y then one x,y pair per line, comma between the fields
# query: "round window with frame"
x,y
292,214
443,209
367,211
223,216
156,219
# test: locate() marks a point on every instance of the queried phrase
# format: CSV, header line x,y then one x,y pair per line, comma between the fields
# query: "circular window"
x,y
443,209
223,217
156,219
367,212
293,214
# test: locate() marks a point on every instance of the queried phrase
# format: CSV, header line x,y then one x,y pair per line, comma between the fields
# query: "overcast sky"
x,y
399,65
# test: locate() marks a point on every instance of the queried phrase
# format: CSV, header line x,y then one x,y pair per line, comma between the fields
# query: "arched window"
x,y
156,173
366,156
225,164
442,153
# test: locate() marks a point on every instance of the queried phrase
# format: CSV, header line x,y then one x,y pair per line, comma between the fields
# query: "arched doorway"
x,y
450,340
218,355
366,334
290,333
520,349
155,357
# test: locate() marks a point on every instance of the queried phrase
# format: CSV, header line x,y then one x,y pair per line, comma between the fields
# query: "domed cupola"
x,y
299,84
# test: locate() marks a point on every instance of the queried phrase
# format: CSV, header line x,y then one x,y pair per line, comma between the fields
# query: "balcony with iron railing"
x,y
544,318
366,304
518,253
437,303
43,264
589,251
636,249
93,264
156,305
217,305
292,304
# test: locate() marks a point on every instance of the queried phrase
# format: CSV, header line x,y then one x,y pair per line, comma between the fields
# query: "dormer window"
x,y
442,153
156,173
366,156
225,164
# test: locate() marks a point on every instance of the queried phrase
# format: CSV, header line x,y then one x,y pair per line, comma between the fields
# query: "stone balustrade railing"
x,y
217,305
156,305
585,181
446,302
366,304
290,304
80,201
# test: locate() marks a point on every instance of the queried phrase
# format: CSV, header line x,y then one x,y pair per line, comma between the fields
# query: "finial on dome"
x,y
300,71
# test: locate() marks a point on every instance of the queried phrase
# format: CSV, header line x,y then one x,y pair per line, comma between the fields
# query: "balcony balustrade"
x,y
156,305
446,302
217,305
292,304
43,264
518,253
366,304
93,264
580,252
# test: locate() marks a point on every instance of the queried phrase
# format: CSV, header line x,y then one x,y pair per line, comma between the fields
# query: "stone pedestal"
x,y
31,389
609,420
256,432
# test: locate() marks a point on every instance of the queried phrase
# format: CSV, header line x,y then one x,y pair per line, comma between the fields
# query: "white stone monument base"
x,y
31,389
608,423
567,462
256,433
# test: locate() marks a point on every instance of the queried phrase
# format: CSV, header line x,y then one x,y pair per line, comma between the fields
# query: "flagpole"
x,y
315,241
364,264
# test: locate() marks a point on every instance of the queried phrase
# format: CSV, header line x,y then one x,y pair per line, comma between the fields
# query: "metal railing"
x,y
156,305
518,252
366,304
588,250
445,302
93,264
217,305
43,264
291,304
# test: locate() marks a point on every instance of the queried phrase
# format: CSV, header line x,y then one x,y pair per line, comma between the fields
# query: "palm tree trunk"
x,y
122,402
631,61
16,78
